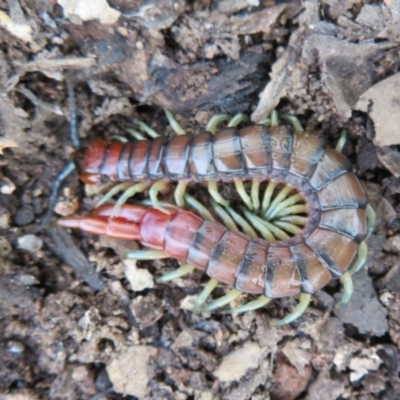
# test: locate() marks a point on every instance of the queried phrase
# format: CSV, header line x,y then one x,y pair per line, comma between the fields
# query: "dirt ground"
x,y
78,320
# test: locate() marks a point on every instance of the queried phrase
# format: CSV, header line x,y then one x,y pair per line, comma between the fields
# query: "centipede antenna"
x,y
180,193
293,120
269,191
224,216
214,121
284,204
342,141
237,119
213,190
58,180
259,226
146,128
156,188
174,123
136,134
298,311
177,273
261,301
347,281
203,296
362,254
371,218
222,301
199,208
62,175
288,227
113,191
274,118
243,194
255,194
73,124
131,191
277,200
246,227
150,254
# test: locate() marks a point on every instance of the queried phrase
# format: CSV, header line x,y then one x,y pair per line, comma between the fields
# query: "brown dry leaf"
x,y
87,10
298,357
381,102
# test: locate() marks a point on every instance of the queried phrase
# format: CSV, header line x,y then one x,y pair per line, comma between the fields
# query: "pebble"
x,y
24,216
31,243
5,247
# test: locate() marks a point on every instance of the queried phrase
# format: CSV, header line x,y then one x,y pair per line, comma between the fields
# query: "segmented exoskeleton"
x,y
315,226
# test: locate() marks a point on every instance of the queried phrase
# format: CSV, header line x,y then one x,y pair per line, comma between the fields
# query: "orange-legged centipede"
x,y
319,247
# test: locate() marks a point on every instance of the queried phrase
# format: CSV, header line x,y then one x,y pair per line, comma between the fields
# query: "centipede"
x,y
313,218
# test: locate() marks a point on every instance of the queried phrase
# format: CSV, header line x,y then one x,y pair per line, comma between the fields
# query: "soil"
x,y
78,320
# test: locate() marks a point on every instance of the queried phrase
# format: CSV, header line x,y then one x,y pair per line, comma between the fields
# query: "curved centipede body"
x,y
332,235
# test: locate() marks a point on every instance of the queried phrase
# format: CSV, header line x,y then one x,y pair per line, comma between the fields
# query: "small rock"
x,y
5,247
15,347
392,244
28,280
368,360
128,371
139,278
31,243
5,217
24,216
236,364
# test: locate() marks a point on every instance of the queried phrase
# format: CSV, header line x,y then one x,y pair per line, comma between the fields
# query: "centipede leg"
x,y
136,134
301,307
199,208
113,191
222,301
243,194
177,273
362,254
214,121
146,128
224,217
371,219
150,254
239,220
180,193
347,281
342,141
203,296
259,225
293,120
261,301
276,212
269,191
131,191
156,188
237,119
213,190
255,194
174,123
277,200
